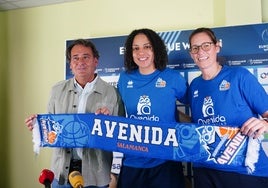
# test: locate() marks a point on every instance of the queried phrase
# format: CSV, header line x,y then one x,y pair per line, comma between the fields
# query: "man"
x,y
86,92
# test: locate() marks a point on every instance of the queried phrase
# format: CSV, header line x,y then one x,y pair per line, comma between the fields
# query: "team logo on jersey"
x,y
144,105
224,85
160,83
208,107
130,84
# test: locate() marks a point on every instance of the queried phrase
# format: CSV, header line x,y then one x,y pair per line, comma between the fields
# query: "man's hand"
x,y
103,110
29,121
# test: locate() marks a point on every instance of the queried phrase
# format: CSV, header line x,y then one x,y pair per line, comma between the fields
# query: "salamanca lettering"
x,y
135,133
132,147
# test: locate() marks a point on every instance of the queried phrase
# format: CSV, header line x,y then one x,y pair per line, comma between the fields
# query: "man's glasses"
x,y
206,46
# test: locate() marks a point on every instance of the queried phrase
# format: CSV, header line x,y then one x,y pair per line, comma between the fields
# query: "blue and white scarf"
x,y
186,142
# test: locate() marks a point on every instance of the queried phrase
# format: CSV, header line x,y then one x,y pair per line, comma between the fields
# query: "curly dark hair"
x,y
158,47
83,42
208,31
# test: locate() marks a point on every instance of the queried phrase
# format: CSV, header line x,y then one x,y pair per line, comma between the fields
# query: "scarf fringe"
x,y
36,138
252,155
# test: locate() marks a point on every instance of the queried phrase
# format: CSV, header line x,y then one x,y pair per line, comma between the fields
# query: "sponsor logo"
x,y
135,133
144,105
207,108
208,113
144,110
195,93
264,75
130,84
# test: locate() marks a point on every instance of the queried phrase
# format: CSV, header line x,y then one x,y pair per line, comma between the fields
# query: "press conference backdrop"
x,y
244,45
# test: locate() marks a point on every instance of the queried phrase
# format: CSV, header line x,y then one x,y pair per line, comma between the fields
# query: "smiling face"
x,y
83,63
143,54
207,57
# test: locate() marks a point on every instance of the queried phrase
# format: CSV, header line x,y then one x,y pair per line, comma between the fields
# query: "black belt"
x,y
75,165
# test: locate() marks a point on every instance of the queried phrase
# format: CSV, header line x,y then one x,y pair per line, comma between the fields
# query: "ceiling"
x,y
19,4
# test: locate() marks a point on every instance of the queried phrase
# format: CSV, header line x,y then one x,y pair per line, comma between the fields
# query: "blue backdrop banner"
x,y
242,45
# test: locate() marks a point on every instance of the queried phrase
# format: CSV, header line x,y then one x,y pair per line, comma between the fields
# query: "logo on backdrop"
x,y
265,35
